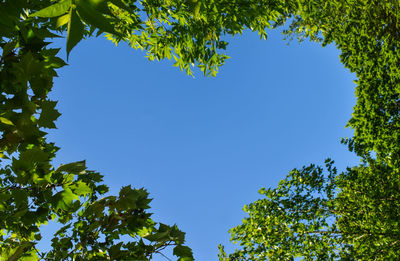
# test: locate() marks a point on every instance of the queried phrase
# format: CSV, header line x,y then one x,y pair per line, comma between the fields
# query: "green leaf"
x,y
6,121
100,5
65,199
158,236
54,10
20,197
55,62
177,235
34,155
75,31
120,4
183,252
49,114
22,248
95,18
101,189
74,167
115,250
95,208
63,19
80,188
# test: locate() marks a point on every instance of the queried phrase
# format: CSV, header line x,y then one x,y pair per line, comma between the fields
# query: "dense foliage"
x,y
317,215
33,191
313,214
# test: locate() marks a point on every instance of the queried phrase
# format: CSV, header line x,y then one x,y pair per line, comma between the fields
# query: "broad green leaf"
x,y
75,30
55,62
100,5
34,155
115,250
197,9
54,10
102,189
177,235
49,114
65,199
20,197
80,188
96,208
183,252
94,17
158,236
63,19
74,167
145,231
20,251
68,179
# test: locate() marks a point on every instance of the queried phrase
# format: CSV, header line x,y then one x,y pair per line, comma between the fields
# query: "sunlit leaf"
x,y
6,121
54,10
74,167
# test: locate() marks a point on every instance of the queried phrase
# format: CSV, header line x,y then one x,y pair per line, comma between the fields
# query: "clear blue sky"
x,y
203,147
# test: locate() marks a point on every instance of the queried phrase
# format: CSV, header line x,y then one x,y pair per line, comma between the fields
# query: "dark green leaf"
x,y
95,18
75,30
48,115
183,252
74,167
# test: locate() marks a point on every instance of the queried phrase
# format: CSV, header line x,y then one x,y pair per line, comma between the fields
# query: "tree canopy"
x,y
321,215
32,190
313,214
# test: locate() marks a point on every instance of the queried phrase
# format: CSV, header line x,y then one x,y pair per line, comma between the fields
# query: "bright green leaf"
x,y
80,188
6,121
54,10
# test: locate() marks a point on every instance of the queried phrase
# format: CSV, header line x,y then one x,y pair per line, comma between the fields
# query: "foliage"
x,y
33,191
367,34
292,220
311,214
188,31
314,215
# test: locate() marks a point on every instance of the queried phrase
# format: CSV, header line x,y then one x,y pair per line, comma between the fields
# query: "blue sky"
x,y
203,147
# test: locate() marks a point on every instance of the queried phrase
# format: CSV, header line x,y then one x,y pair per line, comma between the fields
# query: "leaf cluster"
x,y
314,214
94,226
351,216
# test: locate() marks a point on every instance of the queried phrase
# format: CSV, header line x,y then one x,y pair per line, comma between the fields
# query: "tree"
x,y
32,190
191,32
315,215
